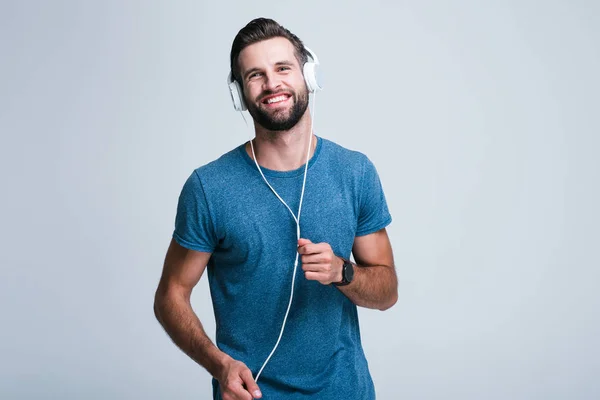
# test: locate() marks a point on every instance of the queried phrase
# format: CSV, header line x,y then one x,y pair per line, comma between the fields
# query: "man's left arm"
x,y
375,284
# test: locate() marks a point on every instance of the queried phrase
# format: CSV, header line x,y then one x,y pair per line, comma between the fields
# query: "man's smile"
x,y
276,99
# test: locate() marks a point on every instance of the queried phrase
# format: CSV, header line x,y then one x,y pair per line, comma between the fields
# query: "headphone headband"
x,y
312,55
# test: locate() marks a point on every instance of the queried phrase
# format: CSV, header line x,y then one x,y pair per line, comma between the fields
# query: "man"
x,y
231,223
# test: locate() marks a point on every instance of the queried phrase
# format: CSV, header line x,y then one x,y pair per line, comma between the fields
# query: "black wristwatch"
x,y
347,273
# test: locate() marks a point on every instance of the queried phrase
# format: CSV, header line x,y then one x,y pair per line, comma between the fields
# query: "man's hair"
x,y
257,30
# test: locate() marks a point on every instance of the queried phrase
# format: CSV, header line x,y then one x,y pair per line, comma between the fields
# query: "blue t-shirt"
x,y
226,208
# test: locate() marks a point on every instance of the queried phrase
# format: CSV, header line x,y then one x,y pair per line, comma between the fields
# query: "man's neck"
x,y
283,150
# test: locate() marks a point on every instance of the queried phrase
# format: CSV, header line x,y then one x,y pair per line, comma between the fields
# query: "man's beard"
x,y
280,120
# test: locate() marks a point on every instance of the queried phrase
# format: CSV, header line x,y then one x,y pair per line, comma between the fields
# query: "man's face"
x,y
274,87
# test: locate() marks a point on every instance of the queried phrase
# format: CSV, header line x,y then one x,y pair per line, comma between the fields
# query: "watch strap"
x,y
347,265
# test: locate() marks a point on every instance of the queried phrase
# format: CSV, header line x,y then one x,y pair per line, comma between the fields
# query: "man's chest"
x,y
328,213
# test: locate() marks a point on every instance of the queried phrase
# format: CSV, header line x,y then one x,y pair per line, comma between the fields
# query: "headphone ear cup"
x,y
310,76
237,96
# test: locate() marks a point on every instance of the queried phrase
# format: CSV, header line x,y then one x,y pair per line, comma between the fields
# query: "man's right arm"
x,y
182,270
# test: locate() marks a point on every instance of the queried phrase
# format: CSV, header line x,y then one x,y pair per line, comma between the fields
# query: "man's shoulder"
x,y
340,154
222,166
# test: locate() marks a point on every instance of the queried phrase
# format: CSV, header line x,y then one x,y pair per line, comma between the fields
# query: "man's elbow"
x,y
390,303
169,298
156,307
159,303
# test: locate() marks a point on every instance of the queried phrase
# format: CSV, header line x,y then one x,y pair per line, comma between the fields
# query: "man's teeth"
x,y
276,99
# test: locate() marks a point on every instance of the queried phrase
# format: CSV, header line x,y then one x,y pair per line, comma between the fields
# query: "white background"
x,y
481,117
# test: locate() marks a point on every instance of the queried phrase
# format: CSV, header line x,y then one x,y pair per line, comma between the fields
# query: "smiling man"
x,y
231,222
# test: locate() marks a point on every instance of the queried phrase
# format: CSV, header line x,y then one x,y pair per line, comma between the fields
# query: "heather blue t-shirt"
x,y
226,208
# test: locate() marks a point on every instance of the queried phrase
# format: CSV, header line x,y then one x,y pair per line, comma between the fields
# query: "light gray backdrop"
x,y
481,117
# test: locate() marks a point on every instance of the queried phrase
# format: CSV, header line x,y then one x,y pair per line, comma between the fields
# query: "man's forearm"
x,y
177,317
374,286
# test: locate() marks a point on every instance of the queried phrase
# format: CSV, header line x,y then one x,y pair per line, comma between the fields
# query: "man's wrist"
x,y
340,268
220,360
346,274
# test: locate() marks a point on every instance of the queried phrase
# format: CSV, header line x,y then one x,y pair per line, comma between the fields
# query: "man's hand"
x,y
237,383
319,263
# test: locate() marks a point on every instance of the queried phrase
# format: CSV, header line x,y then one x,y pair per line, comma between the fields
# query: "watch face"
x,y
348,271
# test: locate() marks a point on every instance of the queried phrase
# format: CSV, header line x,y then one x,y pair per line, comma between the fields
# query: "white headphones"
x,y
309,71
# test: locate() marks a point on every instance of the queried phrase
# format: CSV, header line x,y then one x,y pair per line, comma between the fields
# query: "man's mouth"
x,y
278,99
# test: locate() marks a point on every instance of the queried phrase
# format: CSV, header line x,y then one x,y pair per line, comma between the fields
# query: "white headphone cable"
x,y
297,219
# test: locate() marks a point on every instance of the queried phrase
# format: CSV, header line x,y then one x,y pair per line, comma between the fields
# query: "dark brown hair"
x,y
257,30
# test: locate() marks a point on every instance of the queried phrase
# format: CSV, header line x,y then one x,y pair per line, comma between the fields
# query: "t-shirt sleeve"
x,y
194,228
373,210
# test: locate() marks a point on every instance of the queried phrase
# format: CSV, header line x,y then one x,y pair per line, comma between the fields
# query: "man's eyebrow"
x,y
278,63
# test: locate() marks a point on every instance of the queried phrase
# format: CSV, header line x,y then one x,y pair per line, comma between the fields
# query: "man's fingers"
x,y
303,242
318,258
313,248
236,391
315,276
251,386
312,267
316,267
309,248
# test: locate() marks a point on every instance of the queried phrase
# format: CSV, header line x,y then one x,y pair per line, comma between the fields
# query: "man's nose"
x,y
272,81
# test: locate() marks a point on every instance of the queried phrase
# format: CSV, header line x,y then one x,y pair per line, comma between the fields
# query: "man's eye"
x,y
284,68
254,75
